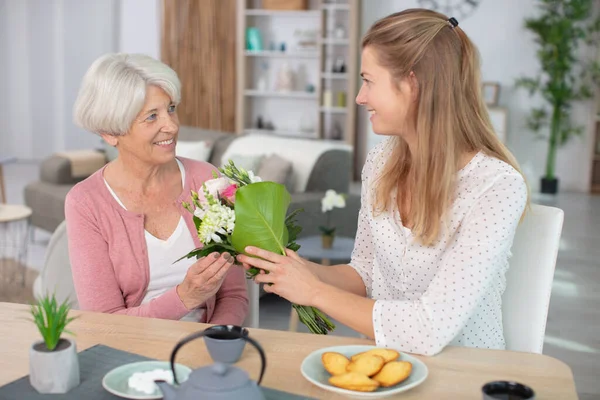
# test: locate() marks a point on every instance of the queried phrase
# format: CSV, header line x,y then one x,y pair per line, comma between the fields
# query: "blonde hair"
x,y
451,116
113,91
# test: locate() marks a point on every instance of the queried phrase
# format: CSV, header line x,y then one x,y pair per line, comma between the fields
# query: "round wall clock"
x,y
452,8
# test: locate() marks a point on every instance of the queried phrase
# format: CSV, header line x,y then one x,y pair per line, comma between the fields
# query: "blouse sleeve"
x,y
362,254
479,253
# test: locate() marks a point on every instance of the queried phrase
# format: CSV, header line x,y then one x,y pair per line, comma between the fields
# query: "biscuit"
x,y
354,381
393,373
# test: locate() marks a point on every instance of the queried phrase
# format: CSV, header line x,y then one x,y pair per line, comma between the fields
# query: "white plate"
x,y
312,369
116,380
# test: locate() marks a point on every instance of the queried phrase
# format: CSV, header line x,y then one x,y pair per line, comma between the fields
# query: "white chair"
x,y
56,277
529,279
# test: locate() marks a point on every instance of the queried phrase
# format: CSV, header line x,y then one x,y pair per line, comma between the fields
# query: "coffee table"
x,y
14,233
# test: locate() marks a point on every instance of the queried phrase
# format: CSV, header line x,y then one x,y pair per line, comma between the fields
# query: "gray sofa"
x,y
330,170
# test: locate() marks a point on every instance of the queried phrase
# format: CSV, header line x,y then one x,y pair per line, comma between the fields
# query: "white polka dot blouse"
x,y
449,293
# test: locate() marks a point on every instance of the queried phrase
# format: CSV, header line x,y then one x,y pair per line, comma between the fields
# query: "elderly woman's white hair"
x,y
113,91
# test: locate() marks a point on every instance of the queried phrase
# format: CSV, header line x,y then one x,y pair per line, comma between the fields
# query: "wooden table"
x,y
456,373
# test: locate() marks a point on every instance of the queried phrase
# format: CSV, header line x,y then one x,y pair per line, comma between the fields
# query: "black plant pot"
x,y
549,186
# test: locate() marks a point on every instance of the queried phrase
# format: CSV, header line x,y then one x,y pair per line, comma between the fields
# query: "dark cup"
x,y
224,343
503,390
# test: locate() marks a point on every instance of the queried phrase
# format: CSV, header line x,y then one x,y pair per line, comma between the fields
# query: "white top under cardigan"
x,y
164,275
449,293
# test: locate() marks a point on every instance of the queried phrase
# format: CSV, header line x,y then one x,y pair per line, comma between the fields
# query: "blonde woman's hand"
x,y
203,279
289,276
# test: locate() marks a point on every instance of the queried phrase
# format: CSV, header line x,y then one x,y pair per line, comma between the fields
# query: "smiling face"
x,y
153,134
388,100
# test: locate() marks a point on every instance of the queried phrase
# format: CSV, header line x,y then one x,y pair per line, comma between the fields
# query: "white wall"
x,y
139,27
46,47
507,52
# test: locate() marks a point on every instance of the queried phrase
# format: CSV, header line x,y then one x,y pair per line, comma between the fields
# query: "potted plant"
x,y
331,200
53,362
560,28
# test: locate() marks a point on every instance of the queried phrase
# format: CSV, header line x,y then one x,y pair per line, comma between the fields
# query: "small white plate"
x,y
312,369
116,380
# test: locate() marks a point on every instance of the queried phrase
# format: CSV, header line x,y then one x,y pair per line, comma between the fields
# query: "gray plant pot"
x,y
54,371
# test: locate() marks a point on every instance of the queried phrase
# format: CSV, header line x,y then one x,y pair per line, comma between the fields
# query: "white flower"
x,y
217,219
199,212
332,200
254,178
215,186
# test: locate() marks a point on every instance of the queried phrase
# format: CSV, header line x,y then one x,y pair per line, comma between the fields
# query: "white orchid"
x,y
332,200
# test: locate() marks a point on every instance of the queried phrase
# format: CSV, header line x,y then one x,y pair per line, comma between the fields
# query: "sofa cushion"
x,y
249,162
276,169
198,150
302,153
83,162
71,167
220,140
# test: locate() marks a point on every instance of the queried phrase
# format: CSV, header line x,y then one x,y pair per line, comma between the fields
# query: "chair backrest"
x,y
56,276
529,278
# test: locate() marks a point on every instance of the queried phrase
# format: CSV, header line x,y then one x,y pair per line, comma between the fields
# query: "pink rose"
x,y
214,187
228,194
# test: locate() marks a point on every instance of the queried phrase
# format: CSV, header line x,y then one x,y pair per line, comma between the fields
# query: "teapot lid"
x,y
219,377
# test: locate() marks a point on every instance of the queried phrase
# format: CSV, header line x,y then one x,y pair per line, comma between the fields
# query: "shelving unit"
x,y
313,44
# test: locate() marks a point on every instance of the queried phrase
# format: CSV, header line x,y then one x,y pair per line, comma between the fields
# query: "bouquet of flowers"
x,y
239,210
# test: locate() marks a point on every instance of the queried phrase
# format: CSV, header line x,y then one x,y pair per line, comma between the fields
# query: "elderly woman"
x,y
125,223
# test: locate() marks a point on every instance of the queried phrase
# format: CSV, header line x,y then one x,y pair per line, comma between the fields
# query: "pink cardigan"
x,y
109,258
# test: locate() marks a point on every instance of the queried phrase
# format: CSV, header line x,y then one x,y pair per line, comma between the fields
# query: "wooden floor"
x,y
573,331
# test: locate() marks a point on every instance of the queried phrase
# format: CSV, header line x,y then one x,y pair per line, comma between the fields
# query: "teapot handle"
x,y
199,334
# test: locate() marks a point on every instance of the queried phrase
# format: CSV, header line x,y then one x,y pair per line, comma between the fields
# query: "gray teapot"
x,y
218,381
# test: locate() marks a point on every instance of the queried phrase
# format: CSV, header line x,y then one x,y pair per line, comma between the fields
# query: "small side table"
x,y
311,248
14,233
4,160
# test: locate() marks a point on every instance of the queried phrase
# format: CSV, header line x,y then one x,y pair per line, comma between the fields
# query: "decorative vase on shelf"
x,y
285,79
327,241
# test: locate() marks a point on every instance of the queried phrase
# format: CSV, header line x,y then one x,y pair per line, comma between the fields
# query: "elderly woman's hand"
x,y
203,279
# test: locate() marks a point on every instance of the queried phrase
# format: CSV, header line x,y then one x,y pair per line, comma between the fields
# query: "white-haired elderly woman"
x,y
126,225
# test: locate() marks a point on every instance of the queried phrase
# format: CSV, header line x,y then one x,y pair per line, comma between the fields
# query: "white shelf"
x,y
281,54
290,95
336,7
334,41
282,13
334,110
288,133
334,75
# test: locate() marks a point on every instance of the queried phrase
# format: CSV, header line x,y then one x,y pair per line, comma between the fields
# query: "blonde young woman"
x,y
441,199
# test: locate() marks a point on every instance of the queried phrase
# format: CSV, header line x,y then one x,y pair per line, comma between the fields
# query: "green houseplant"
x,y
53,363
560,29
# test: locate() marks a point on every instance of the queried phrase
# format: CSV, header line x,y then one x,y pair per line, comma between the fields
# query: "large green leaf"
x,y
260,212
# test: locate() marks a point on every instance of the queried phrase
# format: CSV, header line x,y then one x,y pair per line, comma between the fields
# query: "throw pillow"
x,y
248,162
276,169
197,150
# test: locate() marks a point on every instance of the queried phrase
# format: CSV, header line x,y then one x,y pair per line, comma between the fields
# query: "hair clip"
x,y
453,22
